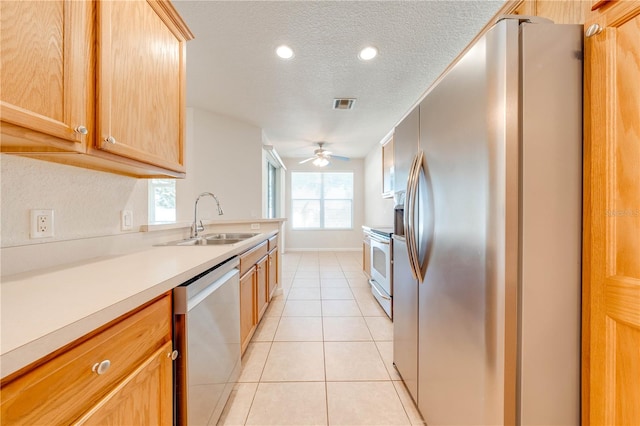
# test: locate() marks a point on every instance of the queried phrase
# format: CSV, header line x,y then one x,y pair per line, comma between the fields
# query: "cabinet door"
x,y
144,397
262,289
140,65
366,257
406,142
62,388
272,281
248,318
611,270
44,51
387,169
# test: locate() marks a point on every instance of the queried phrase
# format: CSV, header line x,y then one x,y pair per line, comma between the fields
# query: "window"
x,y
271,190
322,200
162,200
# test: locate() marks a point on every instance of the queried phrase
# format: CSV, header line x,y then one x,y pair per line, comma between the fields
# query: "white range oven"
x,y
381,263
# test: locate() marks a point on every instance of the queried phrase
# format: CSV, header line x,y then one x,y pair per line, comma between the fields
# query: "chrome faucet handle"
x,y
195,228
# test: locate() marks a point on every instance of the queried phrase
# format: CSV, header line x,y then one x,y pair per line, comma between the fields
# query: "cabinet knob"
x,y
594,29
110,140
101,367
173,355
82,130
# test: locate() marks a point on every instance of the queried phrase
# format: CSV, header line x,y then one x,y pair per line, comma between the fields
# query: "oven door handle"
x,y
373,286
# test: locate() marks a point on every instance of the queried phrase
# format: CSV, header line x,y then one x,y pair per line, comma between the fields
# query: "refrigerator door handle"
x,y
408,218
412,244
421,260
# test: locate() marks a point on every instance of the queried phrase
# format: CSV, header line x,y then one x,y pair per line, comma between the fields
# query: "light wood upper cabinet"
x,y
387,169
45,54
140,83
114,68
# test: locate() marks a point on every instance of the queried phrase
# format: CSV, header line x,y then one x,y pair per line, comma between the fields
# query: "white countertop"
x,y
45,310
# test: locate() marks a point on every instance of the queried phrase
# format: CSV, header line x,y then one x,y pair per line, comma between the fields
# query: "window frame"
x,y
156,183
322,200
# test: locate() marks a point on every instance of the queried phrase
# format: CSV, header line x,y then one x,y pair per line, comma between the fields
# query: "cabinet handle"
x,y
173,355
594,29
110,140
82,130
101,367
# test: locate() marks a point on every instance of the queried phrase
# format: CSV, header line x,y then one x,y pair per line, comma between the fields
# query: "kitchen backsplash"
x,y
86,203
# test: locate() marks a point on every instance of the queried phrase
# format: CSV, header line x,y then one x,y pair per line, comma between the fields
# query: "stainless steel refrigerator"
x,y
487,256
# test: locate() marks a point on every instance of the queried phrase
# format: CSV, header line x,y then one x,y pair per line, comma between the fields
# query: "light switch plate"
x,y
126,220
255,226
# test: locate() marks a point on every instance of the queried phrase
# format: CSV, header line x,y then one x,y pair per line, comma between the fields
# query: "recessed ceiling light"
x,y
285,52
368,53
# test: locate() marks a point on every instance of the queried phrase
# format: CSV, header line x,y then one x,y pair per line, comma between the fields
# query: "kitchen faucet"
x,y
195,228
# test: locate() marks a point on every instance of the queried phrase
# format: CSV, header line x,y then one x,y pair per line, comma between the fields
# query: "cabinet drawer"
x,y
61,389
273,242
251,257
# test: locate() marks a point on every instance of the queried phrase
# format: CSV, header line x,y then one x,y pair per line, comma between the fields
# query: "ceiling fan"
x,y
322,157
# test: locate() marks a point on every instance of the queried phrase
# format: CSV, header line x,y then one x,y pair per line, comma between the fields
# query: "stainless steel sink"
x,y
212,240
229,236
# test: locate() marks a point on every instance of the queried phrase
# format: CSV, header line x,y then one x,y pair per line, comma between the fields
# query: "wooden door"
x,y
141,66
45,52
611,274
144,397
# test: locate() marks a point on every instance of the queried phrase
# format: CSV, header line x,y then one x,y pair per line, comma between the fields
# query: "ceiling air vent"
x,y
343,103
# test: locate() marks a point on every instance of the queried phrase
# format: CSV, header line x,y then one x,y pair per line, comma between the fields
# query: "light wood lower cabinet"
x,y
262,288
248,317
145,394
366,256
258,280
272,267
120,374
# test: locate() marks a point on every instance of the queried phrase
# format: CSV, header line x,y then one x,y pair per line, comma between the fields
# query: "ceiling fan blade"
x,y
307,160
339,157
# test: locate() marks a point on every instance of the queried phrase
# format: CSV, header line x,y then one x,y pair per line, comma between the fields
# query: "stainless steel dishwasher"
x,y
207,335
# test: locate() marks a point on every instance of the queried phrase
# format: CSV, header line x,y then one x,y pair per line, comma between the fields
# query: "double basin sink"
x,y
212,239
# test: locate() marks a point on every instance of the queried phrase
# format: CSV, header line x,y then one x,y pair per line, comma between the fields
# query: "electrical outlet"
x,y
41,223
126,220
255,226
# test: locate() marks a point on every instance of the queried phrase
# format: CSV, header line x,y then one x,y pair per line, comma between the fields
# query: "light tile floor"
x,y
323,353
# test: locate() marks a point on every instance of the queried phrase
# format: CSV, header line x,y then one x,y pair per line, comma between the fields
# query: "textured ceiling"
x,y
232,69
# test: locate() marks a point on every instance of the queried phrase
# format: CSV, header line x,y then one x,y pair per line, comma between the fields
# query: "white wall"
x,y
224,156
86,203
327,239
378,211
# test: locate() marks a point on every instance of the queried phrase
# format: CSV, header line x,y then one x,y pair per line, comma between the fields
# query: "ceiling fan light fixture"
x,y
284,52
368,53
320,162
